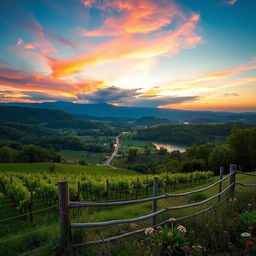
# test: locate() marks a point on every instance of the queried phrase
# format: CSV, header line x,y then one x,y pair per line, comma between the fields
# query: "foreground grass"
x,y
44,238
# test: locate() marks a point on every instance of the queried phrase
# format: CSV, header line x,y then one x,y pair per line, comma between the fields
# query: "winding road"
x,y
110,159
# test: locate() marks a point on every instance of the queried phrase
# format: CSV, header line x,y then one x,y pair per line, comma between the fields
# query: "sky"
x,y
182,54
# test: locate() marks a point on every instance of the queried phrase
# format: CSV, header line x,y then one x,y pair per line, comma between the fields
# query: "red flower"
x,y
235,219
250,243
250,228
186,246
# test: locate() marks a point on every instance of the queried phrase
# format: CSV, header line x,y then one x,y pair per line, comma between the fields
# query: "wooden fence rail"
x,y
65,204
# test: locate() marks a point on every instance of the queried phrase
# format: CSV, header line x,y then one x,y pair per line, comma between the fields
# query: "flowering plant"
x,y
171,241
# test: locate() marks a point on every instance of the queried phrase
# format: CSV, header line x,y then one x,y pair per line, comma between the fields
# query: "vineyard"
x,y
23,189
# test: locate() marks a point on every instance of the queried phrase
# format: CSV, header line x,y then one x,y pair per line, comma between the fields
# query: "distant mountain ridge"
x,y
43,116
110,111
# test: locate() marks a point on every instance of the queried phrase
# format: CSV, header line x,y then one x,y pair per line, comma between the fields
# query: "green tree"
x,y
221,156
191,165
6,155
132,154
162,151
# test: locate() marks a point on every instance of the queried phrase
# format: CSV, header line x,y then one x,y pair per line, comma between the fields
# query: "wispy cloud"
x,y
231,2
163,43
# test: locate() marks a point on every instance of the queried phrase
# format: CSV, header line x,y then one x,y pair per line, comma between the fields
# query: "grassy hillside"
x,y
64,168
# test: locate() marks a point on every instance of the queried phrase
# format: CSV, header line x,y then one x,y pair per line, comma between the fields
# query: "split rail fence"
x,y
65,205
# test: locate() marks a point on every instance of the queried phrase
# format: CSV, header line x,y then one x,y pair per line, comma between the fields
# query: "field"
x,y
140,145
20,236
64,169
71,156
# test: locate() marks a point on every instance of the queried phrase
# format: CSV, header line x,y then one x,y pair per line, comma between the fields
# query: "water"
x,y
169,147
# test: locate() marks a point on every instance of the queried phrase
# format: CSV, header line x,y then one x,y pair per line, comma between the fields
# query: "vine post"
x,y
220,184
65,231
107,190
154,202
232,178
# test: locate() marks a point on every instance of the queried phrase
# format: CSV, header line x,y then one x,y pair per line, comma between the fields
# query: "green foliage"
x,y
197,198
132,155
171,240
6,155
162,151
243,147
35,154
191,165
187,134
247,219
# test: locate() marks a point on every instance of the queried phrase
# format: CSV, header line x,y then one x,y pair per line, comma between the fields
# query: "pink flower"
x,y
182,229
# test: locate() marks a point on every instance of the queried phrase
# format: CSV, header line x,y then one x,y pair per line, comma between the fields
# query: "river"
x,y
169,147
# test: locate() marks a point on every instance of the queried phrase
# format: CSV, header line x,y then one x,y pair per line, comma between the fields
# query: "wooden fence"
x,y
65,205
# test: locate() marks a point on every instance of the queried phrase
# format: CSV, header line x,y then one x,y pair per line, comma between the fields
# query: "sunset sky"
x,y
183,54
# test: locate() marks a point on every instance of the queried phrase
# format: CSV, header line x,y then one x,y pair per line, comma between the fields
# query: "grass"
x,y
19,244
140,145
65,168
71,156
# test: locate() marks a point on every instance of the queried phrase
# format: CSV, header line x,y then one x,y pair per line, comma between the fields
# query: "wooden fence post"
x,y
78,195
154,202
65,232
232,178
136,188
78,191
220,184
107,190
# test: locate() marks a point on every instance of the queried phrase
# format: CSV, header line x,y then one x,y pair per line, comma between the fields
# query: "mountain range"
x,y
103,110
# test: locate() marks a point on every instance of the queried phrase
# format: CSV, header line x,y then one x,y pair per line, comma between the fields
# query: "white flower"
x,y
182,229
245,234
149,231
172,220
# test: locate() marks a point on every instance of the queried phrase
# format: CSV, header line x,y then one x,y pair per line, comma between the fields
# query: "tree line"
x,y
239,148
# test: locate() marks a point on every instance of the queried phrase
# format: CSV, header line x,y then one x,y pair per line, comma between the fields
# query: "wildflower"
x,y
149,231
182,229
186,247
170,233
225,232
172,220
245,234
235,219
250,228
249,204
249,243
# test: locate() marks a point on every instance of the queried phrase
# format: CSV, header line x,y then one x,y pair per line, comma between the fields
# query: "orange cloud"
x,y
137,16
12,80
164,43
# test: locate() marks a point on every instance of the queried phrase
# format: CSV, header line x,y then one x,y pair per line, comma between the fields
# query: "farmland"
x,y
44,230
